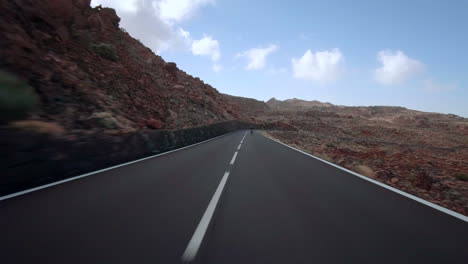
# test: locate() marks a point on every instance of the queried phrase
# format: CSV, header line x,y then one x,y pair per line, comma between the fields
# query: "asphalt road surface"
x,y
226,202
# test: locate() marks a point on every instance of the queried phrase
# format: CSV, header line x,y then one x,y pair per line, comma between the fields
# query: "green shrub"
x,y
17,99
462,176
107,51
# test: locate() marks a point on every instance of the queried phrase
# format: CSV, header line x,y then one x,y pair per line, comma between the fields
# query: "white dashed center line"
x,y
234,158
197,238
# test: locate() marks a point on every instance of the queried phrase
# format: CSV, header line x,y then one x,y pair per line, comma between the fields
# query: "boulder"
x,y
109,16
171,68
154,124
106,20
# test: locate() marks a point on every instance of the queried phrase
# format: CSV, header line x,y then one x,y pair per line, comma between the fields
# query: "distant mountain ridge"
x,y
295,104
392,113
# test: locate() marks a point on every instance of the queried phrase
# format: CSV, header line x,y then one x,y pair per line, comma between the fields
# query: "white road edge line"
x,y
193,246
234,158
410,196
9,196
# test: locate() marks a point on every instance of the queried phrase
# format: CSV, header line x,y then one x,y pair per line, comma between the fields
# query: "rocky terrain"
x,y
87,74
247,106
425,154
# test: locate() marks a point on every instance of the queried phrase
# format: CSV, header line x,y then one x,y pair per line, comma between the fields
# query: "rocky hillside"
x,y
295,104
89,74
248,106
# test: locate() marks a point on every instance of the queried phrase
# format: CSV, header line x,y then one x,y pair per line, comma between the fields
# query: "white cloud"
x,y
438,87
322,66
257,56
178,10
304,36
184,33
277,71
396,67
154,22
206,46
217,67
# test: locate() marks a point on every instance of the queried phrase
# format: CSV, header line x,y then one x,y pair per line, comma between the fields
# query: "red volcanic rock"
x,y
171,68
106,20
109,16
423,181
154,124
95,22
62,9
82,4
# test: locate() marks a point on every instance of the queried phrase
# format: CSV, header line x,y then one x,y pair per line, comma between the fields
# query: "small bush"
x,y
364,170
107,51
462,176
17,99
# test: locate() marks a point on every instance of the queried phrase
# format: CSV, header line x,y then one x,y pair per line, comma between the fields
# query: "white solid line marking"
x,y
9,196
240,145
410,196
233,158
197,238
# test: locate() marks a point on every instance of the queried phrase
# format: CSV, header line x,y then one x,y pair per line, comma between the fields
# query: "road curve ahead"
x,y
240,198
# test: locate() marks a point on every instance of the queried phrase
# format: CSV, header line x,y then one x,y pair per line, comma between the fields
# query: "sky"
x,y
408,53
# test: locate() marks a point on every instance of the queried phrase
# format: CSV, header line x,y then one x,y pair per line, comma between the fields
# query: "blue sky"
x,y
361,52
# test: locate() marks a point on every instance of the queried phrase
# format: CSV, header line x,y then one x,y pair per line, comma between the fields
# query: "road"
x,y
268,204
